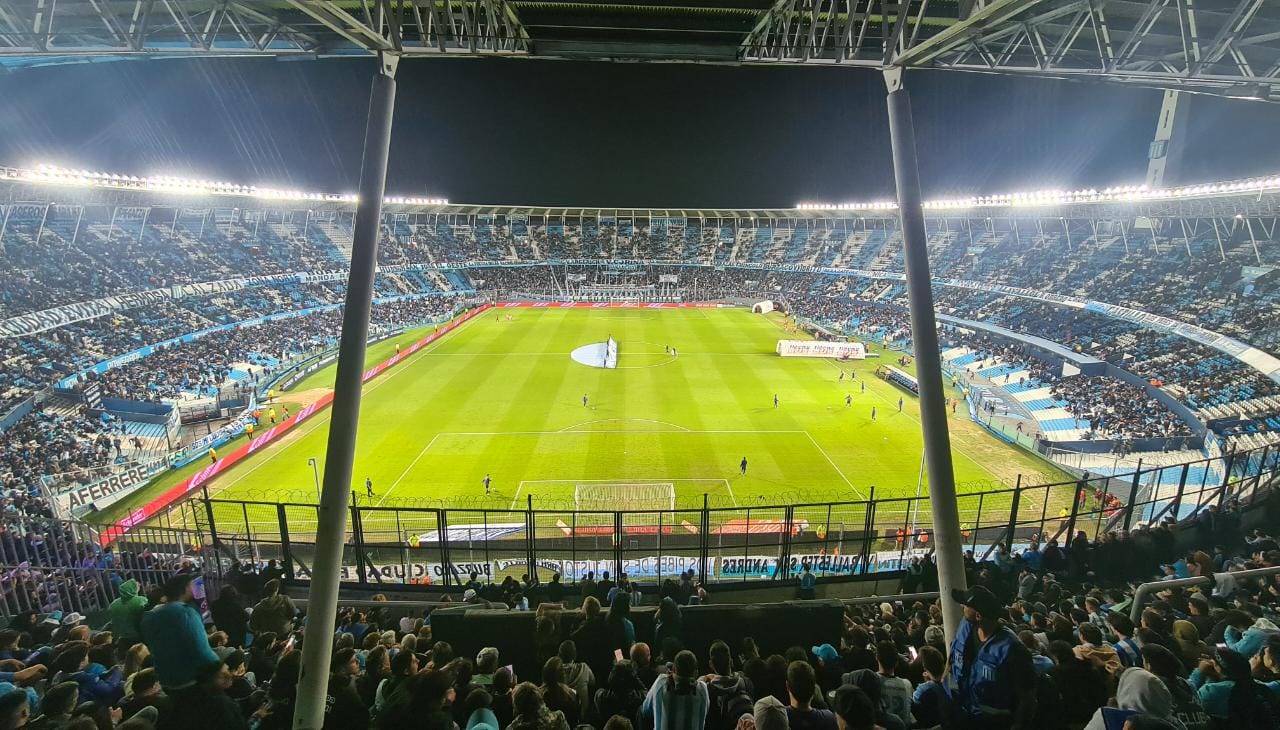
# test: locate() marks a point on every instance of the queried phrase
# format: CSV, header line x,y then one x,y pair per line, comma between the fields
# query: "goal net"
x,y
611,353
624,497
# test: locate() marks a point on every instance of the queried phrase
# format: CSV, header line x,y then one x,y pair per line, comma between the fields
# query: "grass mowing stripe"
x,y
498,396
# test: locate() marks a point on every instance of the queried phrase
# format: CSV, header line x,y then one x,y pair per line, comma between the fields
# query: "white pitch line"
x,y
240,477
407,469
729,486
833,464
954,446
626,480
592,433
514,499
610,420
323,418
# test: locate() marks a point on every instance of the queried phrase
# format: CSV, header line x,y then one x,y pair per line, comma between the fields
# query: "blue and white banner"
x,y
32,323
47,319
115,362
109,489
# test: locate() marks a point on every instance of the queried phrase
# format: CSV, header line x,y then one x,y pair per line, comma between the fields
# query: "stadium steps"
x,y
339,236
62,406
1035,394
999,370
150,434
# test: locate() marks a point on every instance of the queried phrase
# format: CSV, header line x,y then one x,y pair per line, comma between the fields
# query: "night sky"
x,y
578,133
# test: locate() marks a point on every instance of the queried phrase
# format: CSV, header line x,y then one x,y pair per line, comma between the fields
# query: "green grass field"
x,y
504,398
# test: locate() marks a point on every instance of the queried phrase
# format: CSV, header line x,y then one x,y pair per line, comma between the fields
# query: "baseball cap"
x,y
468,594
826,653
980,599
770,714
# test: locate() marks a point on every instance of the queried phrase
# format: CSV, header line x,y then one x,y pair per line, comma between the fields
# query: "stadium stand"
x,y
1059,646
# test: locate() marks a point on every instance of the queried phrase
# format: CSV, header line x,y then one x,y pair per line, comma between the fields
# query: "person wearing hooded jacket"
x,y
97,683
577,675
1228,692
729,692
1139,693
126,615
274,612
1246,636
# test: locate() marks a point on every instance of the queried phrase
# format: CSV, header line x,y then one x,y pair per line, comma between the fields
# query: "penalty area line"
x,y
516,498
729,487
407,469
826,456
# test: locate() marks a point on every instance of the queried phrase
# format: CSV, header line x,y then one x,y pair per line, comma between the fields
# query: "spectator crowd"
x,y
1046,642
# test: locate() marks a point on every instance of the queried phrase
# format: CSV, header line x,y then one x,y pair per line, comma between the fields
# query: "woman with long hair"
x,y
669,625
622,633
621,695
377,667
135,660
556,694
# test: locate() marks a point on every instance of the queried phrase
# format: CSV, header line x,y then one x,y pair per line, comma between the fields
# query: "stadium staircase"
x,y
336,234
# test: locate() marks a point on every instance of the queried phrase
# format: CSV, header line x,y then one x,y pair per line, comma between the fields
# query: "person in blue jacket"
x,y
992,681
1246,634
1228,692
175,634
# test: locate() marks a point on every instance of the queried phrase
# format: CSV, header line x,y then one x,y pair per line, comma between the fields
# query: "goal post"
x,y
624,497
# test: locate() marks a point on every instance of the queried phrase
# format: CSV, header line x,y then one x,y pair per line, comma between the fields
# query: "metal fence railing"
x,y
1140,594
442,542
49,564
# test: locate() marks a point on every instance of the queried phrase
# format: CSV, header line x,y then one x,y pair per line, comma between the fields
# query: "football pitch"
x,y
692,396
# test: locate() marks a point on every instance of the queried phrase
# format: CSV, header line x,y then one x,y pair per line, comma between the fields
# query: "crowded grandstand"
x,y
275,457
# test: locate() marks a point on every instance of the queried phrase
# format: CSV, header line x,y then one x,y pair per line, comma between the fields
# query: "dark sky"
x,y
553,133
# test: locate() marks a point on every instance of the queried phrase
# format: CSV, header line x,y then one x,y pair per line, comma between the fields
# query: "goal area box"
x,y
624,496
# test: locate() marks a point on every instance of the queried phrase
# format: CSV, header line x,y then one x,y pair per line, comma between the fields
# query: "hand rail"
x,y
1139,595
904,598
417,605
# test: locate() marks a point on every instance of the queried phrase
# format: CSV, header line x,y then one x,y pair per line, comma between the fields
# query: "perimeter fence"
x,y
441,542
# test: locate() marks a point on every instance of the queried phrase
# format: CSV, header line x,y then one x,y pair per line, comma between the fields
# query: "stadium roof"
x,y
1228,47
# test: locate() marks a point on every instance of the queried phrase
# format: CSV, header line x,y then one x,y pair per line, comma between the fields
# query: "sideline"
x,y
200,478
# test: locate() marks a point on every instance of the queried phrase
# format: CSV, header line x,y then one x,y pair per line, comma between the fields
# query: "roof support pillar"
x,y
1165,154
924,334
331,520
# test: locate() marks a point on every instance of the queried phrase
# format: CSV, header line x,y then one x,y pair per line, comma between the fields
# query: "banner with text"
x,y
820,348
109,489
